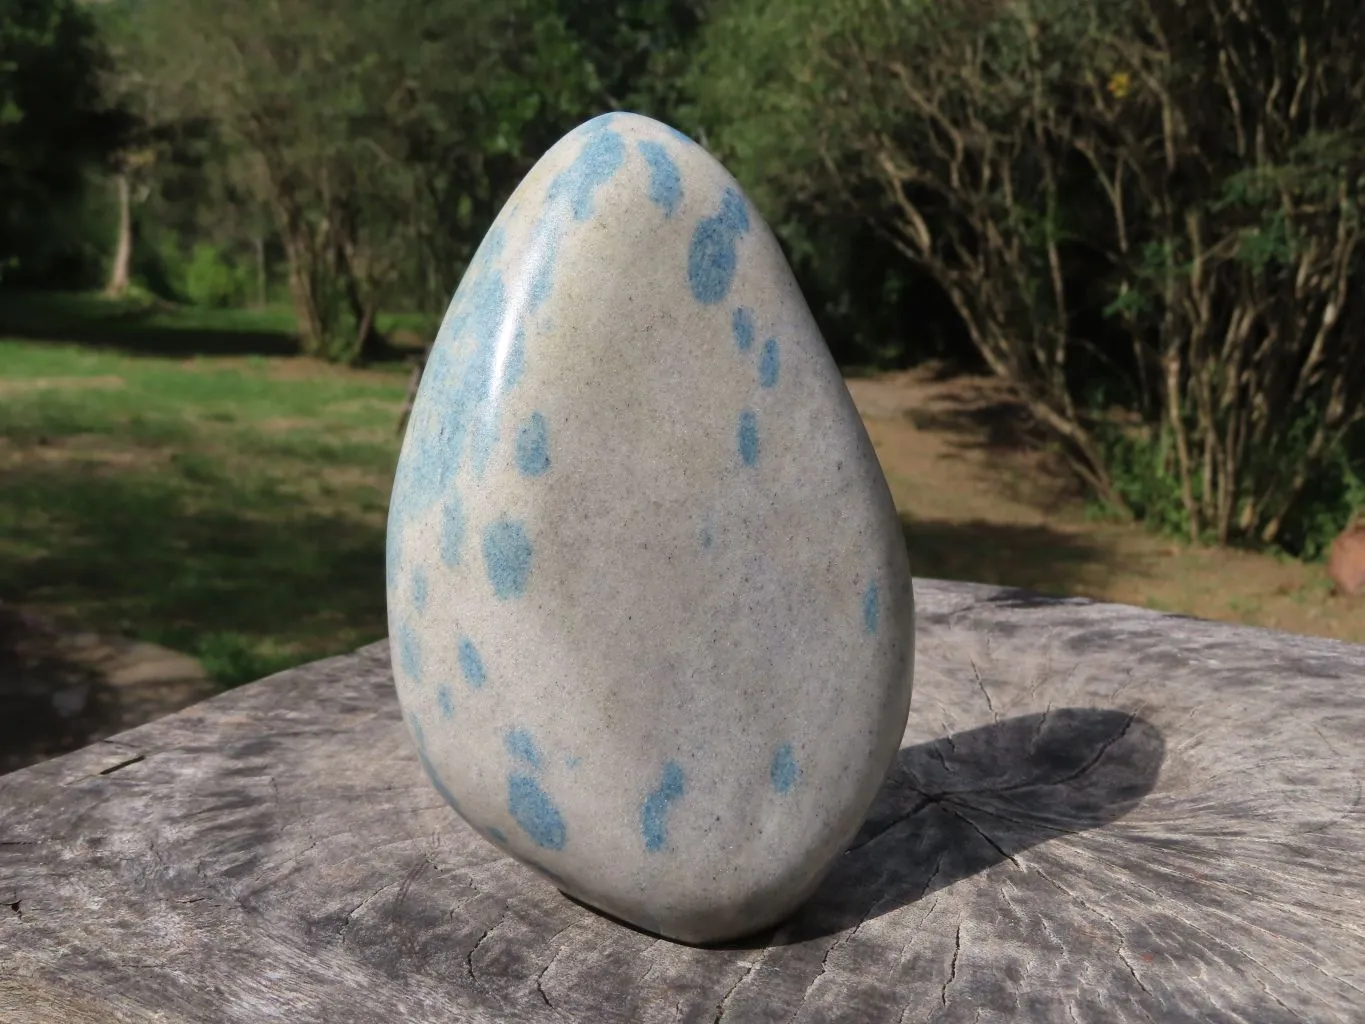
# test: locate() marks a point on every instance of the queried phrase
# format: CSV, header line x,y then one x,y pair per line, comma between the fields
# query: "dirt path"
x,y
982,506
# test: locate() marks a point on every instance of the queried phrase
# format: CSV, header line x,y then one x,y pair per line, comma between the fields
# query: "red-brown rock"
x,y
1346,562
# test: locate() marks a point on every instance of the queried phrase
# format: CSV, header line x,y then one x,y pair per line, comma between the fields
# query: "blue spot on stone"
x,y
665,183
748,437
493,243
654,813
768,364
497,835
454,401
409,652
471,664
680,136
522,747
485,439
571,195
426,762
785,772
711,259
533,446
445,701
419,590
435,779
532,809
742,323
871,607
452,529
507,557
597,162
572,762
706,538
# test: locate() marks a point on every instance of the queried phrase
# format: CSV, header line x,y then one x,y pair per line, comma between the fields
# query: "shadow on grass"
x,y
161,329
1035,558
48,704
979,414
138,554
143,329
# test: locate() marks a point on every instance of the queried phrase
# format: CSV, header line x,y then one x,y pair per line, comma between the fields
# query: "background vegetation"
x,y
1143,216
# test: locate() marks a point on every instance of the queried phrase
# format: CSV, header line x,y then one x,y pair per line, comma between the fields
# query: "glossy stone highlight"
x,y
651,613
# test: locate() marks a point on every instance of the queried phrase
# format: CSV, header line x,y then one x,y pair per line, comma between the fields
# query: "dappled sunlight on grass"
x,y
215,510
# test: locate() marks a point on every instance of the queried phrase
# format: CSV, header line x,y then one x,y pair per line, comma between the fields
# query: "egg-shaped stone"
x,y
650,610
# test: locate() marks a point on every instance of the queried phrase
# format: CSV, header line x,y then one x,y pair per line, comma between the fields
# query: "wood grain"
x,y
1099,814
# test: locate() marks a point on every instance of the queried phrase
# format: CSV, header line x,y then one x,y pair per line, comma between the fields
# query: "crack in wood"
x,y
947,805
350,915
981,685
952,967
540,991
723,1005
1090,763
1240,901
122,764
469,957
925,802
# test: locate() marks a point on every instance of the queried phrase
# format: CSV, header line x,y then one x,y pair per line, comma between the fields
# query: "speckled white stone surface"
x,y
651,610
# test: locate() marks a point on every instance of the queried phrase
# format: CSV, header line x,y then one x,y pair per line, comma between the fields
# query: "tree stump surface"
x,y
1099,813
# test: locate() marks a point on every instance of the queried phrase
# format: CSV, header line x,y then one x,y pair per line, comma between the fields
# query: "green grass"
x,y
231,507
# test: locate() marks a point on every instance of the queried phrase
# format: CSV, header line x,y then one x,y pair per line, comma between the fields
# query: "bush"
x,y
1139,198
211,280
1328,504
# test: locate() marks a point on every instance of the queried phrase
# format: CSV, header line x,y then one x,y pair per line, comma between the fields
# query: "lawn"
x,y
228,506
178,476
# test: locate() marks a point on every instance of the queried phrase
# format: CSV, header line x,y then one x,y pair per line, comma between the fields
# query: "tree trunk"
x,y
367,336
260,270
120,274
312,330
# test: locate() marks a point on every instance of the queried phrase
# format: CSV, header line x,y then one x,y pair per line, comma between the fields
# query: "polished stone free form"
x,y
651,613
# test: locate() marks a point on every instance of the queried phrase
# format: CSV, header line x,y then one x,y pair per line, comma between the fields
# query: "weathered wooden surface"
x,y
1100,814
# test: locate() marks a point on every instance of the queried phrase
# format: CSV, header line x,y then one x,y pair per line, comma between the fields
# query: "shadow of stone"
x,y
962,804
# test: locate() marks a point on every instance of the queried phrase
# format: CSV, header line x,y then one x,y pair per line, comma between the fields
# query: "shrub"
x,y
211,280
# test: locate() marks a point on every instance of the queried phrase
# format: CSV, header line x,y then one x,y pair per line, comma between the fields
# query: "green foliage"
x,y
232,659
381,138
1140,463
211,280
1108,192
1081,194
54,126
1332,500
